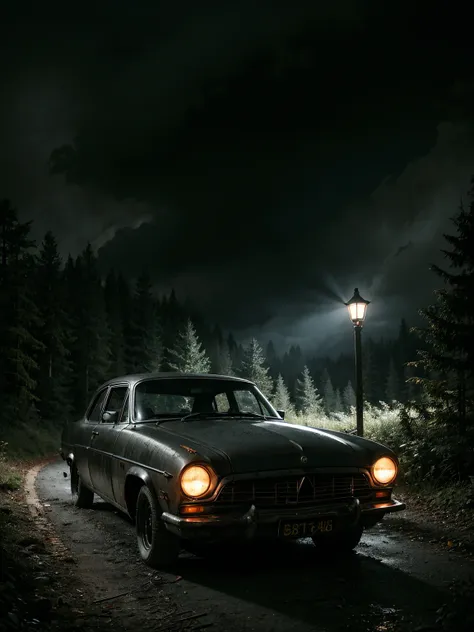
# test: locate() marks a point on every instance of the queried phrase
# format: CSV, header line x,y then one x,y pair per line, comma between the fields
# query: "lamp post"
x,y
357,307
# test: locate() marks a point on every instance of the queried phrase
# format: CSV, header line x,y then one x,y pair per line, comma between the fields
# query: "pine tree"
x,y
371,375
115,323
393,383
349,397
90,352
187,355
327,390
19,347
145,338
338,406
272,359
216,350
125,309
253,367
173,322
281,398
449,334
225,361
308,399
54,332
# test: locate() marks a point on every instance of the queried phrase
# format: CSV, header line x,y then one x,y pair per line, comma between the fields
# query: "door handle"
x,y
94,433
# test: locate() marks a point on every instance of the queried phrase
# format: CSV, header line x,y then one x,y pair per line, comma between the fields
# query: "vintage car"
x,y
198,460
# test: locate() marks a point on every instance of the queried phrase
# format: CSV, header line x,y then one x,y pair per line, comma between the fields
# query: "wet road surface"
x,y
393,582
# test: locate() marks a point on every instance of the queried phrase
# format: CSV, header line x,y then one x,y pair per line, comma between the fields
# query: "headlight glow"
x,y
195,481
384,470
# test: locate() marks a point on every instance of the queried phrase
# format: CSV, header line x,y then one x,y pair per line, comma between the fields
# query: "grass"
x,y
381,423
21,443
30,441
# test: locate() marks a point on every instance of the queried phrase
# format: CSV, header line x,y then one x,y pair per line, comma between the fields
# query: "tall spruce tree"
x,y
281,398
393,391
327,391
338,405
19,318
115,323
145,338
448,358
225,360
308,399
371,375
254,367
187,355
54,331
125,309
348,397
91,351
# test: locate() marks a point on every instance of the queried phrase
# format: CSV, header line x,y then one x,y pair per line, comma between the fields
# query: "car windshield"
x,y
177,397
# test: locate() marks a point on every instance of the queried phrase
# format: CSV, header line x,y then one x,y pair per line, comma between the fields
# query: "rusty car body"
x,y
202,459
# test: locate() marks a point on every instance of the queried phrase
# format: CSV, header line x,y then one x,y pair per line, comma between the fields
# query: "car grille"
x,y
296,490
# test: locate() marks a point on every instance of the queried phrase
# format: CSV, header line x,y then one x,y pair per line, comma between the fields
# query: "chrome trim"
x,y
118,457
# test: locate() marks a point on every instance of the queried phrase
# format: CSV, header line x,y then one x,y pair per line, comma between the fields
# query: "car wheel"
x,y
341,543
158,547
82,496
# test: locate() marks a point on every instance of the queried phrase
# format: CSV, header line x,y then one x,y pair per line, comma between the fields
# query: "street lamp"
x,y
357,307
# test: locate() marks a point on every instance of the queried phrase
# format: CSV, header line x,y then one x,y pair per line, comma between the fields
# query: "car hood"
x,y
254,445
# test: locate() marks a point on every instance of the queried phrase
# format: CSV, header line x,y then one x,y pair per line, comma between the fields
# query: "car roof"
x,y
138,377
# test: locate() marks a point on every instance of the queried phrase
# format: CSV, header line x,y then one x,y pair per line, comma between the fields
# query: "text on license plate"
x,y
304,528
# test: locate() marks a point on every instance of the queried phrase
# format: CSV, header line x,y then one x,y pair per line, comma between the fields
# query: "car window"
x,y
247,402
159,397
116,399
222,403
94,415
125,416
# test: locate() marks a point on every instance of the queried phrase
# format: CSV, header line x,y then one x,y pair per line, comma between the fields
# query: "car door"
x,y
83,434
120,465
103,438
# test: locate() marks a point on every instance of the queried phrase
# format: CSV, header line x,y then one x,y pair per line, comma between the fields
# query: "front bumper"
x,y
264,522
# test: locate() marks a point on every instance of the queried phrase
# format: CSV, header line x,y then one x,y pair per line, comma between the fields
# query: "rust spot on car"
x,y
188,449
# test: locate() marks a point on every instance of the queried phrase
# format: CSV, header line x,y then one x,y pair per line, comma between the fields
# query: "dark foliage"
x,y
64,330
442,446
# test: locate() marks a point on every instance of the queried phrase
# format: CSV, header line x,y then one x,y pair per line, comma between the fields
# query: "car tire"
x,y
158,547
82,496
339,543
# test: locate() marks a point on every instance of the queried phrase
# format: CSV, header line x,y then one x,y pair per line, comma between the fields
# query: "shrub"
x,y
10,479
428,449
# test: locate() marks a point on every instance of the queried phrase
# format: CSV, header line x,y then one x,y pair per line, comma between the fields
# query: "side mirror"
x,y
110,416
281,413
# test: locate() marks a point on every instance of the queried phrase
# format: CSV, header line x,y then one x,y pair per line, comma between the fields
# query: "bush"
x,y
10,479
31,440
428,449
381,423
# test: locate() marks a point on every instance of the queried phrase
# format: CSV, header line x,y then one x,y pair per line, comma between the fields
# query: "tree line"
x,y
64,329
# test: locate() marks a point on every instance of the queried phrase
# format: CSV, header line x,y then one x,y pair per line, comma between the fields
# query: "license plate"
x,y
304,528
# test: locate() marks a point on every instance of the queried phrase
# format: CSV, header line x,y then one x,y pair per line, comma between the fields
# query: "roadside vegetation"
x,y
64,330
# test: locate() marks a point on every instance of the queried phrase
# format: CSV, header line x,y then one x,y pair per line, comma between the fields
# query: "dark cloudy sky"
x,y
262,158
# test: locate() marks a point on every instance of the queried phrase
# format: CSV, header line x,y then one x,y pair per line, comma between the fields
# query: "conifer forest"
x,y
65,329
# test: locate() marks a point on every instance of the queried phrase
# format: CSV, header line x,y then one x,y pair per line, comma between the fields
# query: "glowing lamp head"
x,y
196,481
384,470
357,307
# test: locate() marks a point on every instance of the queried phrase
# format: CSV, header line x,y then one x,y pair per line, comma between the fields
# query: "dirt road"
x,y
393,582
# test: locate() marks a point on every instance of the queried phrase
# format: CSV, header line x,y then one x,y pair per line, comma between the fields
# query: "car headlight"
x,y
196,480
384,470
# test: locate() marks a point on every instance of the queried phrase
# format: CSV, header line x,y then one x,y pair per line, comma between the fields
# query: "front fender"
x,y
141,473
155,482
